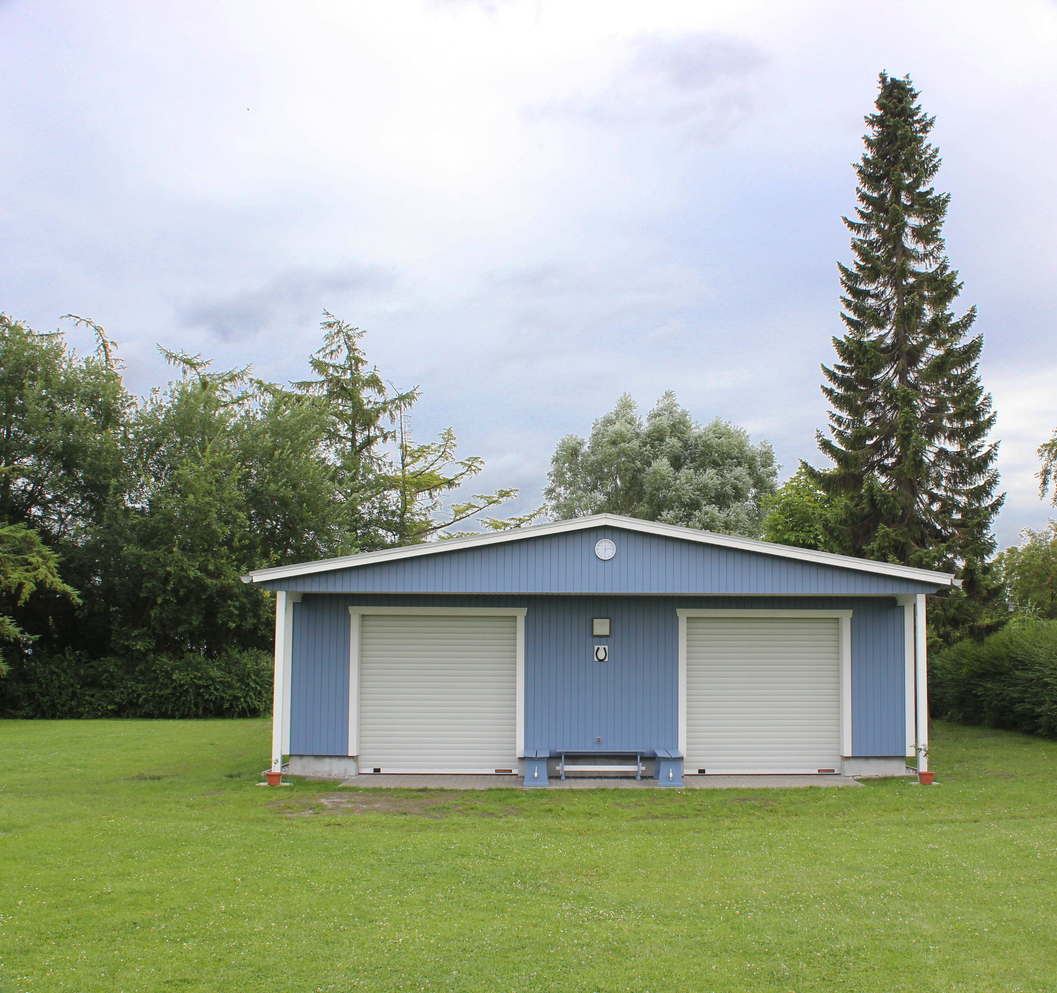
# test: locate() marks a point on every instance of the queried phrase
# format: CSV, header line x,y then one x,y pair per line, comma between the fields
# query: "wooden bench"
x,y
632,762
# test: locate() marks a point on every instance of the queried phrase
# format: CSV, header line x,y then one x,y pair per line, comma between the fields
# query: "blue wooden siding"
x,y
630,701
319,678
878,679
645,564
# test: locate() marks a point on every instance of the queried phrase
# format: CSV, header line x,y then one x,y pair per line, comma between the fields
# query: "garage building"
x,y
595,645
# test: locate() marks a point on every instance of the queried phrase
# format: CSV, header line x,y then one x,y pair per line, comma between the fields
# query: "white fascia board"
x,y
602,520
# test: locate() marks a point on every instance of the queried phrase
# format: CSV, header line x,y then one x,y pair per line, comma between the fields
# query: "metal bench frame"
x,y
637,768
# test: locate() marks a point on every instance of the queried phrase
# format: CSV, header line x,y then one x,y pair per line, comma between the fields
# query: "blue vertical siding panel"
x,y
319,677
878,679
566,563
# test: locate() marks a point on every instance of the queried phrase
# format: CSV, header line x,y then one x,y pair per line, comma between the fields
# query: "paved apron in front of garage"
x,y
414,782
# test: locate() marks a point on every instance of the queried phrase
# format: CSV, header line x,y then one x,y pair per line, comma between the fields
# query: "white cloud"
x,y
699,84
1027,417
212,175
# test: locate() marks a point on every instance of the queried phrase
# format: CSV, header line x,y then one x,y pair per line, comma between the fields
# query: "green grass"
x,y
141,855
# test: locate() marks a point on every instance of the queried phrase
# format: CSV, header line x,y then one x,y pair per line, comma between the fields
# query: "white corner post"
x,y
921,682
846,749
284,637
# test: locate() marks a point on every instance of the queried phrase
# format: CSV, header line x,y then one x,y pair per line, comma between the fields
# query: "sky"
x,y
530,207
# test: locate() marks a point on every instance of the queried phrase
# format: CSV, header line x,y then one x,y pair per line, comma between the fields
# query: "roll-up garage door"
x,y
438,693
762,694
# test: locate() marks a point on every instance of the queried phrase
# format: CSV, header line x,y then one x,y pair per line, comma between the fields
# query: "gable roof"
x,y
612,520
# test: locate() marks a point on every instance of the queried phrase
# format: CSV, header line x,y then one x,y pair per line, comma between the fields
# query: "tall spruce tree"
x,y
914,474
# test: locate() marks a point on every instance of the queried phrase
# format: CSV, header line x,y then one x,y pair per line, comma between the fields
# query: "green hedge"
x,y
1007,681
235,684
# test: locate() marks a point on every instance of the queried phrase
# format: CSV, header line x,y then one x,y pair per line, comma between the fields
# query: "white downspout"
x,y
921,682
288,655
279,682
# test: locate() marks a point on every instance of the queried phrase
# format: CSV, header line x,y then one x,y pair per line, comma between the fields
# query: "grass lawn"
x,y
141,855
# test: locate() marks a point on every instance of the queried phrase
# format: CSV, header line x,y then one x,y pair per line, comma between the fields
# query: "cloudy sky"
x,y
532,207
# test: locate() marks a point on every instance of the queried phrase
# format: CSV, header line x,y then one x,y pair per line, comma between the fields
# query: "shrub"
x,y
237,683
1007,681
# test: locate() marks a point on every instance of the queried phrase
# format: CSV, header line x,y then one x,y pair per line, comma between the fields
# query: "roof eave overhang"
x,y
601,520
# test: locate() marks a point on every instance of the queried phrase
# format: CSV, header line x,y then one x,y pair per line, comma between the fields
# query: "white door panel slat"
x,y
437,693
762,694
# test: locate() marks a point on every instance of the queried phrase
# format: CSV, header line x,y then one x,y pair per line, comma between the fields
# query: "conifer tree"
x,y
914,474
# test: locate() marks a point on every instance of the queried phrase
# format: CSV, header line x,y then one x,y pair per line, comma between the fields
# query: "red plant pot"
x,y
275,778
925,778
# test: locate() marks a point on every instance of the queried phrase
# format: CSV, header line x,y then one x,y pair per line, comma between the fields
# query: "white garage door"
x,y
438,693
762,694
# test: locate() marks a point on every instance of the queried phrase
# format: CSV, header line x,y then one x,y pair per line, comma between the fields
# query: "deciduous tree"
x,y
1029,572
668,468
799,514
26,565
155,507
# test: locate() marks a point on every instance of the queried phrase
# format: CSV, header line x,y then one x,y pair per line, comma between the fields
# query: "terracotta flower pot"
x,y
275,778
925,778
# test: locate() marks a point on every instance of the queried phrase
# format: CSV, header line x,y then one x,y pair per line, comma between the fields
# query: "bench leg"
x,y
536,772
669,772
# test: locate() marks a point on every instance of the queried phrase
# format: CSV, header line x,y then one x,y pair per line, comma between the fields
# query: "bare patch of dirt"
x,y
431,805
363,803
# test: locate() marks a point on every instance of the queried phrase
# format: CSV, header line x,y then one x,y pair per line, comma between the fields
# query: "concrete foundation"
x,y
324,766
874,765
346,766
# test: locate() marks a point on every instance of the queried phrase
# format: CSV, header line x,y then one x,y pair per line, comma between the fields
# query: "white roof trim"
x,y
600,520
